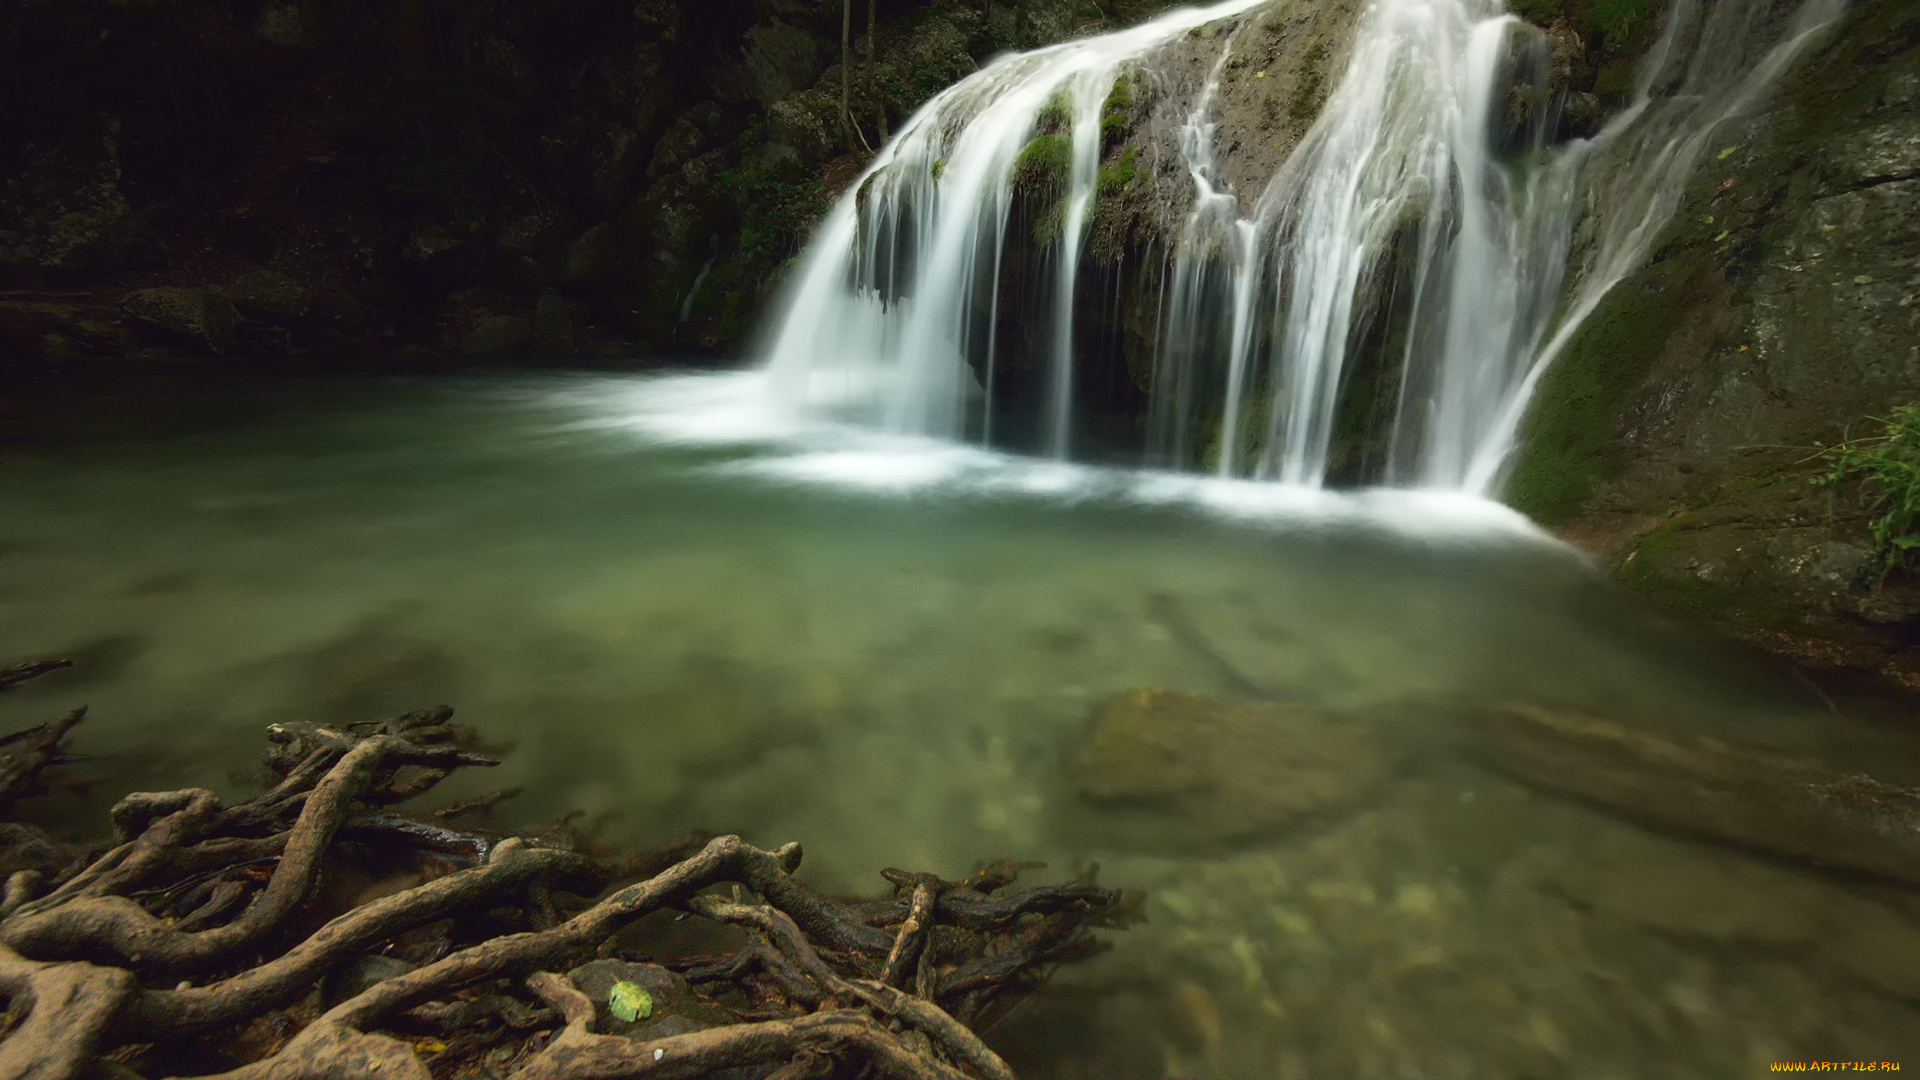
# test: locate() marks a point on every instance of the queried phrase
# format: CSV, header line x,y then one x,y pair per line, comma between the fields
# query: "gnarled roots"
x,y
200,941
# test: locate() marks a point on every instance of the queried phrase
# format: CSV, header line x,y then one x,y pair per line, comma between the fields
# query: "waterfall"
x,y
1417,228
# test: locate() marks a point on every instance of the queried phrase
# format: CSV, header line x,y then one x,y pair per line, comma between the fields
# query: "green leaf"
x,y
629,1002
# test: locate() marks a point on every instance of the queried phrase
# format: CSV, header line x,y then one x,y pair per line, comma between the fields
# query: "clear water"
x,y
681,615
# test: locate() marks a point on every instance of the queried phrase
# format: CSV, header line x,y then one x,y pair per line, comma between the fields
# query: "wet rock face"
x,y
1679,435
1221,771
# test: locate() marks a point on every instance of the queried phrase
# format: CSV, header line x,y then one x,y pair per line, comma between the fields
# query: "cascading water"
x,y
1418,222
887,312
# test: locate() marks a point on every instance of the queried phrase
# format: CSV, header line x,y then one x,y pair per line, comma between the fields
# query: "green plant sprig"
x,y
1888,467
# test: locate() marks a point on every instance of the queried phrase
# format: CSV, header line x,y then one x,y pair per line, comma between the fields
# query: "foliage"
x,y
1617,18
779,210
1887,466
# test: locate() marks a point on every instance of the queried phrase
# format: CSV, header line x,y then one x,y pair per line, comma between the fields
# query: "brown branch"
x,y
117,927
11,677
944,1031
21,766
517,955
913,932
155,1014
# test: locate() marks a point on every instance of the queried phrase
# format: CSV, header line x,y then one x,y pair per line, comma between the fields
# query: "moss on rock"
x,y
1568,444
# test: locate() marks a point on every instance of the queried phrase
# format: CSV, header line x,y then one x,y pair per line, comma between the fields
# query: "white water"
x,y
1401,188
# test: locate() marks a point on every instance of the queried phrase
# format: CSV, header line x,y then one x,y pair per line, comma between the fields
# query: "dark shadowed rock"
x,y
270,294
497,334
552,326
202,315
589,256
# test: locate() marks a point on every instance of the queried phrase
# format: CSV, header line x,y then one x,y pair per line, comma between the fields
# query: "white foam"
x,y
731,410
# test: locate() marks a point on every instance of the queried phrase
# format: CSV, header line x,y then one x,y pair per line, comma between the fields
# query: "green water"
x,y
888,651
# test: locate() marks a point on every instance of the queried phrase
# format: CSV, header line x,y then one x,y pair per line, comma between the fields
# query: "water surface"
x,y
682,611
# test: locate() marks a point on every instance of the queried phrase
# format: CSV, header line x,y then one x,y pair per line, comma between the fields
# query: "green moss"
x,y
1040,181
1056,116
1570,425
1116,113
1043,165
1643,572
1120,175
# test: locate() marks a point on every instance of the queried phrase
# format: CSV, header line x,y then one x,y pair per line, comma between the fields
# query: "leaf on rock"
x,y
629,1002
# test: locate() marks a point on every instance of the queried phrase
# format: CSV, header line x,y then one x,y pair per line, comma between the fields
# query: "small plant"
x,y
1888,468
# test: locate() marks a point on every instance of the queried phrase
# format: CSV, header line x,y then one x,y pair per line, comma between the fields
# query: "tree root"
x,y
195,889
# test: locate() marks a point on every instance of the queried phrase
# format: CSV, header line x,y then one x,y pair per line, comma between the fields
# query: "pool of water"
x,y
680,610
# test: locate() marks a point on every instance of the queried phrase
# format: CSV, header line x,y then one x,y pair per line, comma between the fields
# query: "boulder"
x,y
780,60
1224,770
270,294
497,334
202,315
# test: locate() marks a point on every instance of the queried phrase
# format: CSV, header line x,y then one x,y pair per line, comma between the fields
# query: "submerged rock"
x,y
1224,770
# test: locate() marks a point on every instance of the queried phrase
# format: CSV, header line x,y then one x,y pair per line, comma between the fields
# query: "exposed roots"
x,y
197,942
